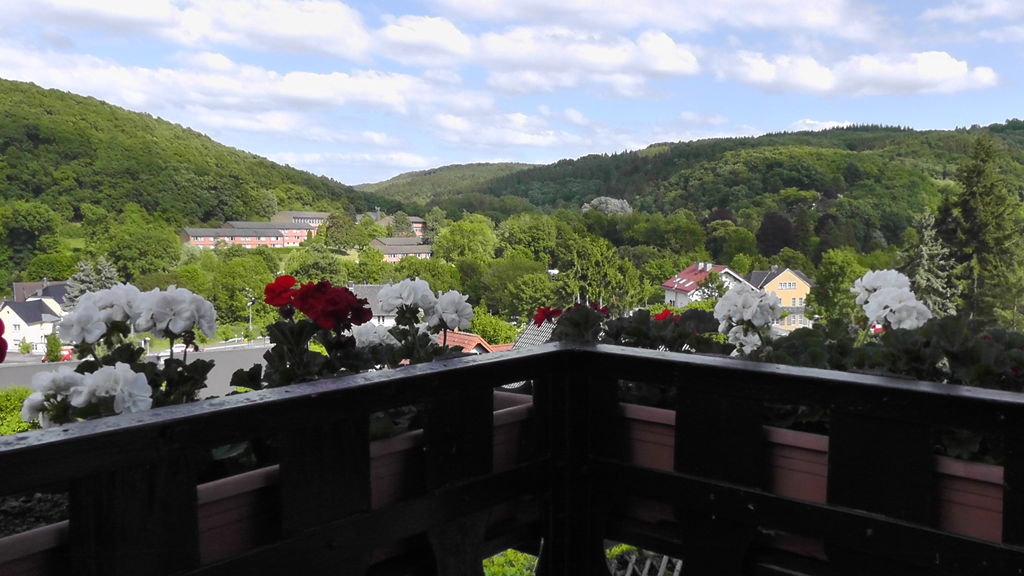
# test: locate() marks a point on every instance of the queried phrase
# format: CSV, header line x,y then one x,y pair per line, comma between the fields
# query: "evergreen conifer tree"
x,y
930,266
106,274
982,226
80,282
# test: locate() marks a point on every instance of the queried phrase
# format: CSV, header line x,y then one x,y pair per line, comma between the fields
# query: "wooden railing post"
x,y
141,520
882,466
576,409
459,435
722,438
1013,491
325,476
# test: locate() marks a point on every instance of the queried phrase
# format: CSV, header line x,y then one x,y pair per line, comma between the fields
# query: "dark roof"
x,y
369,291
279,225
25,290
299,214
534,335
410,241
31,312
416,219
763,277
55,291
269,230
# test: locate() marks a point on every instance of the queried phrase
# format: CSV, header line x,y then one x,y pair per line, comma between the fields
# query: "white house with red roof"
x,y
681,289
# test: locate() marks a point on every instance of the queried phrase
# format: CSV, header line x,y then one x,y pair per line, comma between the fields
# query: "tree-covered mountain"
x,y
423,185
67,151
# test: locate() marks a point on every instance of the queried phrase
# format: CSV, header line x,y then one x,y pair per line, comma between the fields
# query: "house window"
x,y
17,327
787,285
801,301
793,302
263,238
246,238
231,238
247,245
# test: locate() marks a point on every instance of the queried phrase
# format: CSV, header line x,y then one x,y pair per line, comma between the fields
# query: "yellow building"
x,y
792,287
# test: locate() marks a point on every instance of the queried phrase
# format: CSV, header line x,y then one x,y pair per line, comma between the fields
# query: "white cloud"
x,y
501,130
575,116
325,27
972,10
848,19
546,59
1005,34
697,118
328,162
816,125
422,40
859,75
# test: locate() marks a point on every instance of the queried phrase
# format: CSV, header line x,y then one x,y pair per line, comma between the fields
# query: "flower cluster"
x,y
165,313
745,314
372,334
331,307
886,297
449,311
545,314
452,311
112,389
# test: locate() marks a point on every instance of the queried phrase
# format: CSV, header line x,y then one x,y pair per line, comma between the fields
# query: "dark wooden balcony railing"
x,y
132,479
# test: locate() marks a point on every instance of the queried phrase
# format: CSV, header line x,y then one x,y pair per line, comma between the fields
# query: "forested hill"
x,y
423,185
67,151
864,163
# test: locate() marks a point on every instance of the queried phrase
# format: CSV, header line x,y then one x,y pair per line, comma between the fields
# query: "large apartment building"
x,y
395,249
249,235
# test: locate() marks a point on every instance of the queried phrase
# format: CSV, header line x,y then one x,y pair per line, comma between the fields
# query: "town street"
x,y
226,360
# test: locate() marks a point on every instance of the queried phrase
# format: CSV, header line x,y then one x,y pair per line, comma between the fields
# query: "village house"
x,y
32,321
792,287
419,225
249,235
314,219
394,249
681,289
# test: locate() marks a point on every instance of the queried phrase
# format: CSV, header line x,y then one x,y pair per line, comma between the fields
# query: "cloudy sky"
x,y
362,91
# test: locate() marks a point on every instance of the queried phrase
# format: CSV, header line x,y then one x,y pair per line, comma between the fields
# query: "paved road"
x,y
226,361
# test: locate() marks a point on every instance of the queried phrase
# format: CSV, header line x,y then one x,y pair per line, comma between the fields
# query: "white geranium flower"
x,y
142,311
876,280
370,334
897,306
744,303
743,340
49,387
406,293
453,310
130,390
84,324
116,302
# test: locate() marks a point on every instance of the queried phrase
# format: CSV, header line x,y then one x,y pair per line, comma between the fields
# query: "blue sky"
x,y
362,91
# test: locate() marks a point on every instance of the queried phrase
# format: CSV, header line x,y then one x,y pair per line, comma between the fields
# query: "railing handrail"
x,y
56,455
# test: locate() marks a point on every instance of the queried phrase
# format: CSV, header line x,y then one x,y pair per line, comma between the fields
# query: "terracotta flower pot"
x,y
970,494
237,513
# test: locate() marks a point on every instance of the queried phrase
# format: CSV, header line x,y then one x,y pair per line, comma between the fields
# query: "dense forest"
x,y
83,180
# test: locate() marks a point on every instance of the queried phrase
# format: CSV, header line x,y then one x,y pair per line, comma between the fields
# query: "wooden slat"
x,y
381,527
1013,490
135,521
872,533
325,476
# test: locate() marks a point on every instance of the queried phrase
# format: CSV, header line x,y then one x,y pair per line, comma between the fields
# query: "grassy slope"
x,y
423,185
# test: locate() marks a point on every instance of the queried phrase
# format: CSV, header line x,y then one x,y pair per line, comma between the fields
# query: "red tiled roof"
x,y
501,347
466,340
688,280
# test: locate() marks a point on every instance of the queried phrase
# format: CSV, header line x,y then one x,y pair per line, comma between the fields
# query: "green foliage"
x,y
423,185
54,267
372,269
471,237
25,347
53,347
367,230
315,262
441,275
11,399
510,563
492,329
831,297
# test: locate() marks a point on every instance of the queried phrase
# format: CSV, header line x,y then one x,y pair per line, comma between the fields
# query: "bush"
x,y
10,410
510,563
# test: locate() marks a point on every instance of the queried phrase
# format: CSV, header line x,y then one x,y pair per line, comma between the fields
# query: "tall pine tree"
x,y
930,266
80,282
982,225
106,274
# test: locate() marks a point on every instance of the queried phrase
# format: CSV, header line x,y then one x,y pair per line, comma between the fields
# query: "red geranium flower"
x,y
3,343
663,314
546,313
599,308
279,292
309,298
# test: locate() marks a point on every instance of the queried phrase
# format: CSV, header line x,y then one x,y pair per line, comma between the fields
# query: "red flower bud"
x,y
666,313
